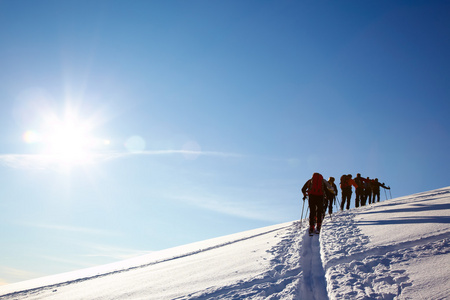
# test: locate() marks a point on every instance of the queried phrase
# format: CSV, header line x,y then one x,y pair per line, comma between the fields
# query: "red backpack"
x,y
316,186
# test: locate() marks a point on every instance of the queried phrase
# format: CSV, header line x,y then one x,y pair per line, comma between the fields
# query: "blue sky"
x,y
130,127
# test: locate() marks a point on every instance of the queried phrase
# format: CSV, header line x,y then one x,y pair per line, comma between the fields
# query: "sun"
x,y
67,140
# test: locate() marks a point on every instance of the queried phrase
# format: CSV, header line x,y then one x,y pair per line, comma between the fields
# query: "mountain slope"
x,y
261,261
397,249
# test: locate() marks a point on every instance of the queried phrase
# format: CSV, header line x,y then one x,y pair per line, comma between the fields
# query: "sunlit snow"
x,y
396,249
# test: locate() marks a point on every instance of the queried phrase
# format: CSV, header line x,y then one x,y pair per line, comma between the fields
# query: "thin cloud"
x,y
67,262
13,275
240,206
183,152
24,161
112,252
49,162
84,230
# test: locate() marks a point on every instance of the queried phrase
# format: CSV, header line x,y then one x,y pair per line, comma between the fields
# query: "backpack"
x,y
359,183
344,181
316,185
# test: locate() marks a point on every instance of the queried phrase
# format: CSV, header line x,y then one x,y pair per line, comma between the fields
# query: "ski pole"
x,y
329,212
307,209
390,193
301,218
385,194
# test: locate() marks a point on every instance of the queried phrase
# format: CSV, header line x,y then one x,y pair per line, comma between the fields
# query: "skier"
x,y
376,189
346,187
368,190
314,188
331,196
359,190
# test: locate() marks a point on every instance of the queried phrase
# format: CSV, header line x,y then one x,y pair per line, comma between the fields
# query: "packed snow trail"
x,y
313,285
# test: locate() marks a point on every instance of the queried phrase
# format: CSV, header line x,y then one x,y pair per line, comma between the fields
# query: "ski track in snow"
x,y
313,284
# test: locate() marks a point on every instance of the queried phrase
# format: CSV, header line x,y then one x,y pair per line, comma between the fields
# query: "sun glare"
x,y
67,140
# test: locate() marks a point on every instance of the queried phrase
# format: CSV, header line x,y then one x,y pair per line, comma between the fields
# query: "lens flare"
x,y
31,137
135,144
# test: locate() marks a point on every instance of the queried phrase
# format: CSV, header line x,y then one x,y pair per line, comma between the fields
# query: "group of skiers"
x,y
322,195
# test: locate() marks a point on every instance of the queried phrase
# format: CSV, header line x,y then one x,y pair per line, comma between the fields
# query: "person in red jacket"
x,y
314,188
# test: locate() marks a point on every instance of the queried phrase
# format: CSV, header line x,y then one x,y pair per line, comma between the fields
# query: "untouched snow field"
x,y
397,249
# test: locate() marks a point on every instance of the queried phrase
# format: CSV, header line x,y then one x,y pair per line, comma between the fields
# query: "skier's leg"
x,y
319,221
312,212
348,200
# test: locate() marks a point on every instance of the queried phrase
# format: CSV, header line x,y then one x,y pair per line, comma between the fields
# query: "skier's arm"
x,y
304,189
353,183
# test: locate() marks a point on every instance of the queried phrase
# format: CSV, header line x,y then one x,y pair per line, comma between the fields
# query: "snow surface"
x,y
397,249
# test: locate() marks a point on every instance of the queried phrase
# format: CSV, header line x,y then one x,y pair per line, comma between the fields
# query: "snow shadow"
x,y
407,220
418,207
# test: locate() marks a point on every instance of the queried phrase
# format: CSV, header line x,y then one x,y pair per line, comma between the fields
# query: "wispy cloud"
x,y
112,252
239,205
52,162
84,230
189,154
8,275
24,161
66,264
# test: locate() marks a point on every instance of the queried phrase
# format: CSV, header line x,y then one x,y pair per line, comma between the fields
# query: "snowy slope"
x,y
398,249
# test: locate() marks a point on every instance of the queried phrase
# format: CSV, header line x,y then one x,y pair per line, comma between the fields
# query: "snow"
x,y
397,249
